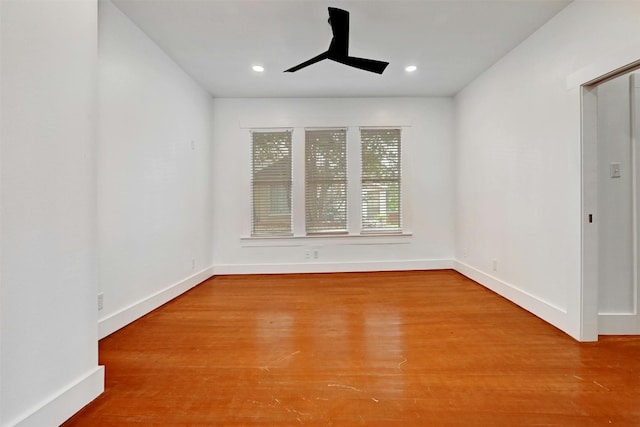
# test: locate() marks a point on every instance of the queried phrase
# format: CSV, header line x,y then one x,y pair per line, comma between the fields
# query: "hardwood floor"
x,y
400,349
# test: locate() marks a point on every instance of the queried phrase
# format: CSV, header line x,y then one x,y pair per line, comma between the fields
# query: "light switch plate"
x,y
614,169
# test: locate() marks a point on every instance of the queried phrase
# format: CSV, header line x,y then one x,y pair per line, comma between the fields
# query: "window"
x,y
271,183
326,181
380,184
280,199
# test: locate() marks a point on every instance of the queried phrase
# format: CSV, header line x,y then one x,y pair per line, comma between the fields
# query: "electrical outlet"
x,y
100,301
316,253
307,254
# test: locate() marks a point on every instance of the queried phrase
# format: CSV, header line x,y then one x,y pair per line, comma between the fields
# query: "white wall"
x,y
153,174
49,359
518,161
428,139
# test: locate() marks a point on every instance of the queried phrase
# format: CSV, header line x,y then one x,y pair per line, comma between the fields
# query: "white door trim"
x,y
589,226
587,78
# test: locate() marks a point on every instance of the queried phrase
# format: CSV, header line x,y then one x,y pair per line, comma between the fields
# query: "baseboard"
x,y
334,267
543,309
122,318
65,404
618,324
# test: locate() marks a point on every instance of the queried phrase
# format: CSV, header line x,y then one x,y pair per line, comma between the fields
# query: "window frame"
x,y
354,196
265,204
314,226
369,178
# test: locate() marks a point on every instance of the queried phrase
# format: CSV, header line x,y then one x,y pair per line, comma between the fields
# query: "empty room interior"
x,y
383,212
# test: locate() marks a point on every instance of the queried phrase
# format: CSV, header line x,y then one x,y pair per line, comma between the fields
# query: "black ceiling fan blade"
x,y
339,21
313,60
364,64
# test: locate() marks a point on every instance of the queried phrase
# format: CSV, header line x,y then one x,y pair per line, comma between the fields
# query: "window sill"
x,y
339,239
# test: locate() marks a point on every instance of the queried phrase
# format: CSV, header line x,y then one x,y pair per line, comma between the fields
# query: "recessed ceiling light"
x,y
410,68
258,68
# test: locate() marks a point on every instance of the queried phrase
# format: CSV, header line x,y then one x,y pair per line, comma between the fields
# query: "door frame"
x,y
586,81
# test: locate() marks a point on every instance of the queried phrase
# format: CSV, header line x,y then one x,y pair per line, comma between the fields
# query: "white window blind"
x,y
326,181
381,175
271,183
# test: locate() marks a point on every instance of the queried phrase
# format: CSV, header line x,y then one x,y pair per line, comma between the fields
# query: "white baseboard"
x,y
65,404
618,324
543,309
122,318
334,267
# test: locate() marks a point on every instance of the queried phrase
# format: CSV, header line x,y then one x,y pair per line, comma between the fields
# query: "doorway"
x,y
611,122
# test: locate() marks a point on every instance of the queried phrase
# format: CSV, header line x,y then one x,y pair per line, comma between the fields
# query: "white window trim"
x,y
251,177
338,239
354,202
401,183
327,231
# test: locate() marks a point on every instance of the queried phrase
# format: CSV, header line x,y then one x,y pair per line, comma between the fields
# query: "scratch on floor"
x,y
261,404
344,386
283,358
580,378
598,384
304,414
280,359
300,415
375,400
402,363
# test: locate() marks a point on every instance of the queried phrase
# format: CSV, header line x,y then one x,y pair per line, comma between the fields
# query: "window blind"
x,y
381,173
271,183
326,181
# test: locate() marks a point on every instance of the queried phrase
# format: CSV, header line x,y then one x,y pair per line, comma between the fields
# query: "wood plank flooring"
x,y
381,349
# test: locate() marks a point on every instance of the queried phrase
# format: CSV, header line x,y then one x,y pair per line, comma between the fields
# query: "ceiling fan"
x,y
339,48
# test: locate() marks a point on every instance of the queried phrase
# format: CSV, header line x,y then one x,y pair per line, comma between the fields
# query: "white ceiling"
x,y
451,42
